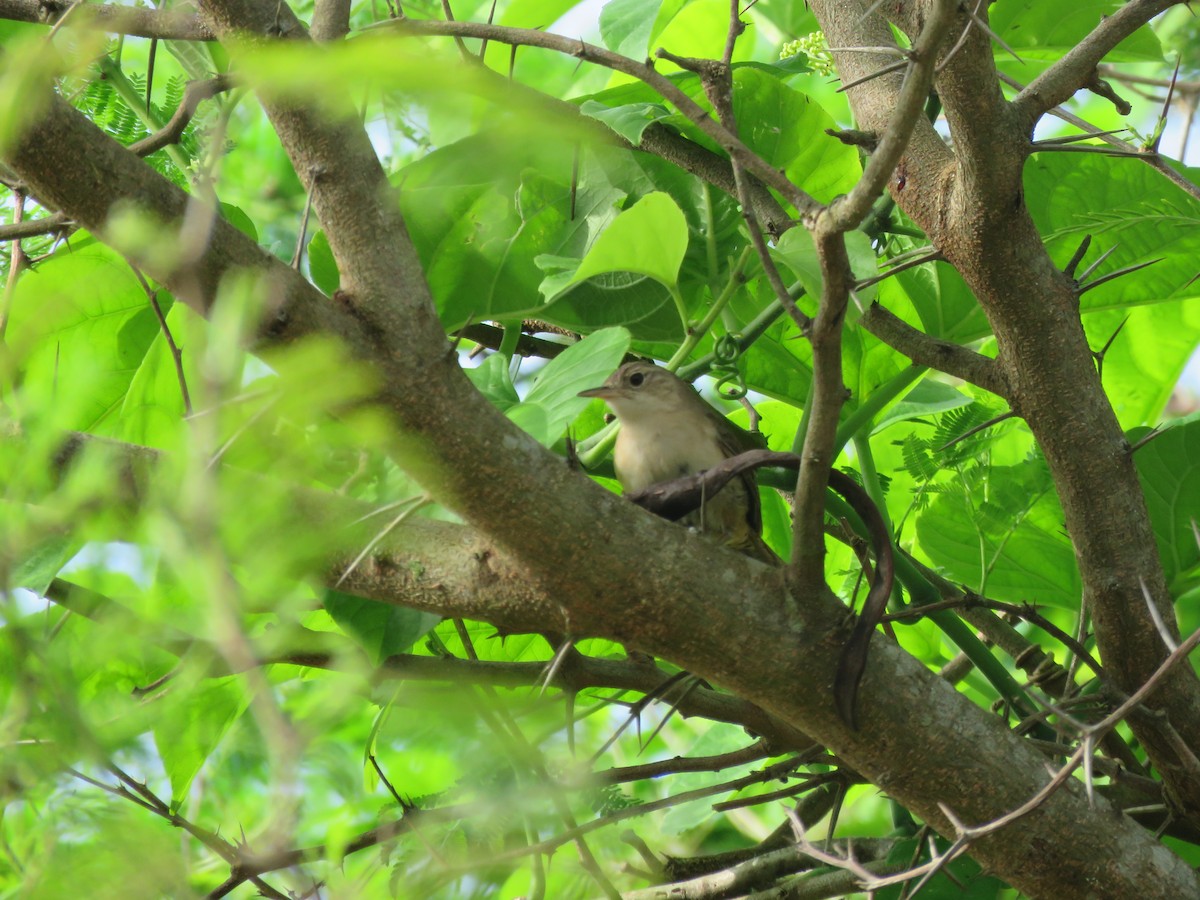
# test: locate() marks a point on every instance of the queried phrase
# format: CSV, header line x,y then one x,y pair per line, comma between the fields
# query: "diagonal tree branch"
x,y
713,611
1077,69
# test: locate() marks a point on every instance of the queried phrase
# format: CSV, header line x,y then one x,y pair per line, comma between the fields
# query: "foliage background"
x,y
193,662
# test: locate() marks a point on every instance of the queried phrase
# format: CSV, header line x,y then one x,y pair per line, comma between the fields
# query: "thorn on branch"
x,y
1103,279
1077,257
1099,354
878,73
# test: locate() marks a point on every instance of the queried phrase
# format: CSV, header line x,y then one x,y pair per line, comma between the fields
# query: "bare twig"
x,y
176,353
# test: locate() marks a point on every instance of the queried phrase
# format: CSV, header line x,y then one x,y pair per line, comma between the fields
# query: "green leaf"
x,y
927,398
535,13
492,380
41,564
153,409
648,239
629,121
780,68
93,340
381,629
935,297
236,217
797,250
321,264
626,25
1169,469
787,129
1048,31
1011,547
189,729
581,366
534,420
1140,216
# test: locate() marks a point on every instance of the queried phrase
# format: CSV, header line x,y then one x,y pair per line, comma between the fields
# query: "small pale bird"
x,y
667,431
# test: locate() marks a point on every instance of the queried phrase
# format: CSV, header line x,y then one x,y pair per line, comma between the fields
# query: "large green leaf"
x,y
648,239
1132,210
382,629
81,326
153,409
1047,31
492,379
1169,469
190,729
1010,545
787,129
935,298
627,26
40,565
628,273
629,121
926,399
581,366
554,402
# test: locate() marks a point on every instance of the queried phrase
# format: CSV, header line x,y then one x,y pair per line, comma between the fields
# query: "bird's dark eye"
x,y
636,379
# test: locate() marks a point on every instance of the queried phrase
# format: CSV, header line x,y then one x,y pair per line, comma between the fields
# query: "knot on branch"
x,y
1102,88
868,140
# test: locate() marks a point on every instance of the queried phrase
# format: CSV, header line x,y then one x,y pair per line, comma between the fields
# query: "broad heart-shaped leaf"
x,y
381,629
1137,211
627,275
477,229
1047,31
480,231
787,129
82,319
648,239
1015,536
1169,469
581,366
629,121
627,26
192,725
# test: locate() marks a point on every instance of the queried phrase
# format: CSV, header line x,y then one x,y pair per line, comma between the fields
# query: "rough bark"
x,y
632,578
970,203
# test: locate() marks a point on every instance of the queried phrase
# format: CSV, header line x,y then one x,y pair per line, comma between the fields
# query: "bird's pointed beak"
x,y
604,392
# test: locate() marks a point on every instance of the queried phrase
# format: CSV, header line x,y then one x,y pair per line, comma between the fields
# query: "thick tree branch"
x,y
1078,68
848,212
945,356
615,571
164,24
